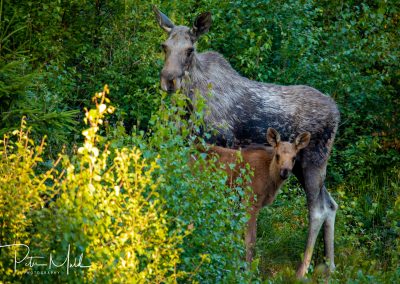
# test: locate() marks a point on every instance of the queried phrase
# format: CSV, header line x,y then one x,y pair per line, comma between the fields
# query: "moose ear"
x,y
302,140
164,22
201,25
273,137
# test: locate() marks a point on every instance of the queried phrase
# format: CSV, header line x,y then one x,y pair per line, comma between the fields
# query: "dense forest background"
x,y
55,55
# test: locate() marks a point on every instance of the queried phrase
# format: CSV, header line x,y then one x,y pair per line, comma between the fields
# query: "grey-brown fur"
x,y
241,110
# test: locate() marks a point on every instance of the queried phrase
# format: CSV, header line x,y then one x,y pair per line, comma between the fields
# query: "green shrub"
x,y
20,193
23,88
147,212
197,196
100,205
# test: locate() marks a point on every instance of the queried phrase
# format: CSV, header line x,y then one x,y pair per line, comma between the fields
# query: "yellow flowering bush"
x,y
19,192
96,218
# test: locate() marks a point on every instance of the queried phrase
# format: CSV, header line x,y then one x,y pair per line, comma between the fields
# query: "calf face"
x,y
286,152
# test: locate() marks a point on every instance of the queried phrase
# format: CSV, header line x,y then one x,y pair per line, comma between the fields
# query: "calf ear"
x,y
302,140
273,137
164,22
201,25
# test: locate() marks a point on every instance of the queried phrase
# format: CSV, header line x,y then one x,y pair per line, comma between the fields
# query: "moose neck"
x,y
210,69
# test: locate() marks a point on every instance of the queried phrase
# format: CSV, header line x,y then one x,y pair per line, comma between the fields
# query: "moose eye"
x,y
189,51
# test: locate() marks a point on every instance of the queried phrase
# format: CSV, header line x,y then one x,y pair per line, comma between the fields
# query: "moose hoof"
x,y
301,271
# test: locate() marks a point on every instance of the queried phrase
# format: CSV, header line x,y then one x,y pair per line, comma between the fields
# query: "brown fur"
x,y
271,167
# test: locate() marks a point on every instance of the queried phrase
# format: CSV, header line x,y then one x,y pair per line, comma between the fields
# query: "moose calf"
x,y
271,166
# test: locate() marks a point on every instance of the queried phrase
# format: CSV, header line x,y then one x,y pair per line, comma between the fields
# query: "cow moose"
x,y
271,167
241,111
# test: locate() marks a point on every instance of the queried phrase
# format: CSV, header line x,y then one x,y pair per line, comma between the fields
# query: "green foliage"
x,y
123,194
22,88
197,196
366,234
104,206
142,213
82,45
55,54
20,194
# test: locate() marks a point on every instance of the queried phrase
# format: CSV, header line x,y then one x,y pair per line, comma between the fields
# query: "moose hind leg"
x,y
329,229
312,180
316,219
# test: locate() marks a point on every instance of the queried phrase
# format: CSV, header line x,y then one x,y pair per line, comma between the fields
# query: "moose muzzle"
x,y
284,173
171,82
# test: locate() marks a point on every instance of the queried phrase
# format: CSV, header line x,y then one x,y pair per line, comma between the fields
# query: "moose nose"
x,y
171,85
171,80
168,85
284,173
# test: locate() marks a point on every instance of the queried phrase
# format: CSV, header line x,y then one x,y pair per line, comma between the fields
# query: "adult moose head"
x,y
179,48
241,110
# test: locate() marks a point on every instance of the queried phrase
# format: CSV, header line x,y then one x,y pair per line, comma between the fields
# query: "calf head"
x,y
286,152
179,48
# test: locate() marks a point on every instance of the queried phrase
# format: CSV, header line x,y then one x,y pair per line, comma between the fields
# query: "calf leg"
x,y
251,232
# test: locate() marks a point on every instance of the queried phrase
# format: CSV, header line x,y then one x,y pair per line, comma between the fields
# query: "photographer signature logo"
x,y
33,262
